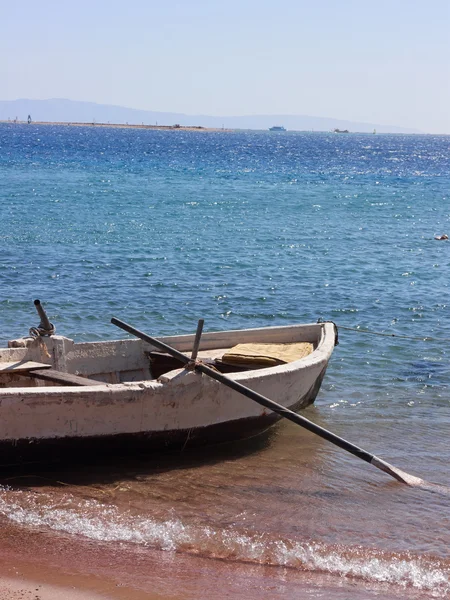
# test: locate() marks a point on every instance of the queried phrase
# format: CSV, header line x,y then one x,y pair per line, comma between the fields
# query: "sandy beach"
x,y
22,581
25,581
36,566
17,589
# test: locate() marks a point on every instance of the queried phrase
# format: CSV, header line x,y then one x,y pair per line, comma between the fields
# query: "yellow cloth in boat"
x,y
267,354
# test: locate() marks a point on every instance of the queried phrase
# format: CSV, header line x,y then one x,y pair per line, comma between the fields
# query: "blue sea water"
x,y
243,229
250,229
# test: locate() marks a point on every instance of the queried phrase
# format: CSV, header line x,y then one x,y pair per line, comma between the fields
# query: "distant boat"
x,y
374,131
341,131
277,128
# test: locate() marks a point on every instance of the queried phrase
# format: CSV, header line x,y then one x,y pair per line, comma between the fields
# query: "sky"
x,y
379,61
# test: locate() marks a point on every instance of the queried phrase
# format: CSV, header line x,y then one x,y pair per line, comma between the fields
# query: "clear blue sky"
x,y
384,61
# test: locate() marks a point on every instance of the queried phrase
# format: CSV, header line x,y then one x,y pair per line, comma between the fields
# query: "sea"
x,y
242,229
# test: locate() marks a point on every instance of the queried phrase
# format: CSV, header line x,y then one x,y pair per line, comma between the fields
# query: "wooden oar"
x,y
281,410
198,335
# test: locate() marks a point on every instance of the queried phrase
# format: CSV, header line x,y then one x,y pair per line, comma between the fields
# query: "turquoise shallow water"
x,y
248,229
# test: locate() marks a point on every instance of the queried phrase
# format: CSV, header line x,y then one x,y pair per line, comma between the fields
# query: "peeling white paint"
x,y
179,400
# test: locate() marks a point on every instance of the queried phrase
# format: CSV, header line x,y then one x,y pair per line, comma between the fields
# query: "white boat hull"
x,y
180,409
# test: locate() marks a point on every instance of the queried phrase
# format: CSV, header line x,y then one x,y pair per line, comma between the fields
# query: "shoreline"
x,y
175,127
12,588
22,578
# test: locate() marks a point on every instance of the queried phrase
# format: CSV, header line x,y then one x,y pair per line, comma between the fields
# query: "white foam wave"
x,y
96,521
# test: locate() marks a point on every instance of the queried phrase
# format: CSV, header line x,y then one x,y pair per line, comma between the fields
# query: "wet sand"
x,y
19,589
110,575
36,566
41,580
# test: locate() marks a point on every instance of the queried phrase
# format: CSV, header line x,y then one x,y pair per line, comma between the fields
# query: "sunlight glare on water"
x,y
246,229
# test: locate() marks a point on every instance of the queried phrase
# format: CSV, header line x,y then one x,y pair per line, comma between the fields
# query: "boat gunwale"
x,y
320,354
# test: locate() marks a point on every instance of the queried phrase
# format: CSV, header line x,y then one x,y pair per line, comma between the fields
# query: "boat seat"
x,y
21,366
60,377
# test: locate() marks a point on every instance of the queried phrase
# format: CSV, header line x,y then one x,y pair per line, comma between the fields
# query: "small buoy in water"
x,y
444,236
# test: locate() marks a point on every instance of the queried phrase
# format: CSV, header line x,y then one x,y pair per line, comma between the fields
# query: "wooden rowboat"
x,y
58,397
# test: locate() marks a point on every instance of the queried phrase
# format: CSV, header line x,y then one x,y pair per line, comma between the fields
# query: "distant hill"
x,y
66,111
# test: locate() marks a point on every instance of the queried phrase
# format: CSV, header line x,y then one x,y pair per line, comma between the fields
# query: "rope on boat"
x,y
396,335
40,331
45,327
336,330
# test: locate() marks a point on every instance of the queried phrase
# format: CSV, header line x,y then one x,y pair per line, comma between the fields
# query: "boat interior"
x,y
58,361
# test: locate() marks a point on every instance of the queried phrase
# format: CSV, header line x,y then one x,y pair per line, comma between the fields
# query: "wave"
x,y
94,520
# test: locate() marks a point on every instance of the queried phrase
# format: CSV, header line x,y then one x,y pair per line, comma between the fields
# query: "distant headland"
x,y
58,110
175,127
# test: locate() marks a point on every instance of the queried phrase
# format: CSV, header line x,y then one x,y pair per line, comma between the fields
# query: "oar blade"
x,y
410,480
396,473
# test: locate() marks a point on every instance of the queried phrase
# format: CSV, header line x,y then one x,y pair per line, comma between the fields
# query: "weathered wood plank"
x,y
21,366
62,378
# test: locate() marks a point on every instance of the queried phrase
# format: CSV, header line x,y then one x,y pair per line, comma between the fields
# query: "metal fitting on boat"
x,y
45,327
